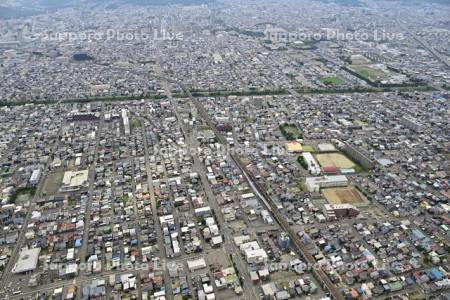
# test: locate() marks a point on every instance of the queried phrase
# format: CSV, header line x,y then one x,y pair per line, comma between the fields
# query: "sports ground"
x,y
338,160
343,195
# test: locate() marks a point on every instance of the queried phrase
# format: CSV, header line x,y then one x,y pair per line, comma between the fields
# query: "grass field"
x,y
332,80
290,131
135,124
22,195
372,74
334,159
360,61
308,148
341,195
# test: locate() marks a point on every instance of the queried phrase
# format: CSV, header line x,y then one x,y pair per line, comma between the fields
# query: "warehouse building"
x,y
74,180
196,264
313,166
27,261
35,176
126,121
314,184
338,211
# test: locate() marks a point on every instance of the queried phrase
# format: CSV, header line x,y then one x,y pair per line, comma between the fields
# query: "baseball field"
x,y
341,195
334,159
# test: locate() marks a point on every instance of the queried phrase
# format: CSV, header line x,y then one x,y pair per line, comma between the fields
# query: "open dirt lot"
x,y
334,159
52,183
341,195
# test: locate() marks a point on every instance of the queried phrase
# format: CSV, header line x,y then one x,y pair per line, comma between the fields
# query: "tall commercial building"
x,y
126,121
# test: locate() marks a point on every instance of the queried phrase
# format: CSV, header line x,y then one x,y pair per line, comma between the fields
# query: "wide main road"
x,y
87,214
430,49
250,292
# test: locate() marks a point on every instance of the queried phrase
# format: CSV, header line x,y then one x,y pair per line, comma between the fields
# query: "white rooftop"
x,y
75,178
27,261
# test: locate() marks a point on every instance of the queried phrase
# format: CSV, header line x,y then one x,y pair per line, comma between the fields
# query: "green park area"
x,y
305,44
135,124
331,80
308,148
371,74
290,131
24,191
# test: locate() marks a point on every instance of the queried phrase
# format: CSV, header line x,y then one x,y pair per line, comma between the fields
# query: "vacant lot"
x,y
334,159
341,195
218,257
52,183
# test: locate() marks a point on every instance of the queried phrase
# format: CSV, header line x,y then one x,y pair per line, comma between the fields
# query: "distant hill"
x,y
55,3
32,7
406,2
344,2
447,2
16,12
165,2
415,2
64,3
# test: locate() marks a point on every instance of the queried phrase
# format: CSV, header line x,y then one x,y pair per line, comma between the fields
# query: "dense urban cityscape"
x,y
226,149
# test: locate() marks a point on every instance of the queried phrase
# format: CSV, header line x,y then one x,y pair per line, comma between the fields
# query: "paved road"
x,y
87,218
159,233
433,51
250,291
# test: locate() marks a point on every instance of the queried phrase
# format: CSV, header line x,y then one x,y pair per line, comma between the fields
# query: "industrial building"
x,y
358,156
411,123
294,147
196,264
337,211
35,176
314,184
126,121
313,166
27,261
74,180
